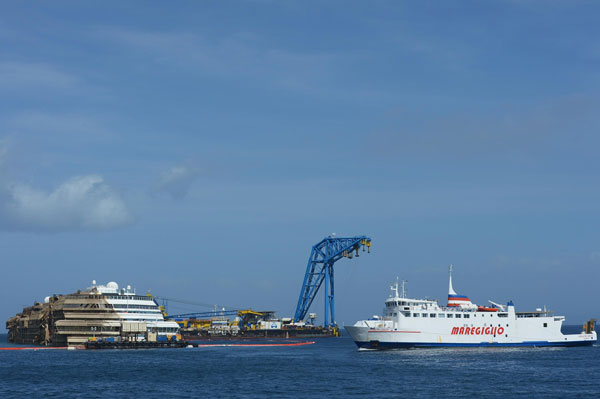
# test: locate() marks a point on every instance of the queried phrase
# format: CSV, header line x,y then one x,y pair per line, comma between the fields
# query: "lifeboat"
x,y
484,309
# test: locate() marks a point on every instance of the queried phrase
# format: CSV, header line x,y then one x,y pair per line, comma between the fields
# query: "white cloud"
x,y
81,203
528,133
53,122
231,56
176,181
4,146
64,127
19,75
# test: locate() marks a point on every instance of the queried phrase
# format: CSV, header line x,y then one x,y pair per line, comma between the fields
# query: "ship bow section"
x,y
358,333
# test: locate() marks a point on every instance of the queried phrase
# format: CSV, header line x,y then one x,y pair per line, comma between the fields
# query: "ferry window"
x,y
458,316
467,316
424,314
441,315
415,315
450,315
545,324
395,314
403,303
432,315
407,314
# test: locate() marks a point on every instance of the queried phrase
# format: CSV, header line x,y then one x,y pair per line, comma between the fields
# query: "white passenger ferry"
x,y
410,322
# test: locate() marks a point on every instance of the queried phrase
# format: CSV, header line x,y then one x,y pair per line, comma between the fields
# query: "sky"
x,y
198,150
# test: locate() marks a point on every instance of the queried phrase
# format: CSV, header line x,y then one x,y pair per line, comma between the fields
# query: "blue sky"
x,y
200,150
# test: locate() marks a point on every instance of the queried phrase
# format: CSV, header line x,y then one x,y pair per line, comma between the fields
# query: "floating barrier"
x,y
36,348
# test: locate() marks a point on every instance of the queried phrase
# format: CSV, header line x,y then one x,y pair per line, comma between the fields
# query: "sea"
x,y
331,367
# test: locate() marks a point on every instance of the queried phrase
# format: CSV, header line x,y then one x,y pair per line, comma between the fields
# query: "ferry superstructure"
x,y
99,312
408,322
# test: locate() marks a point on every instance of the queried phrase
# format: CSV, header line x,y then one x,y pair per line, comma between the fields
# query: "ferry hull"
x,y
367,339
374,345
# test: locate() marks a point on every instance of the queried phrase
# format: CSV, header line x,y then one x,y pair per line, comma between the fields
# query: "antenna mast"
x,y
450,288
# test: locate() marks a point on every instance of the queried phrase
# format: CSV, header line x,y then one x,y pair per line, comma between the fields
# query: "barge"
x,y
249,324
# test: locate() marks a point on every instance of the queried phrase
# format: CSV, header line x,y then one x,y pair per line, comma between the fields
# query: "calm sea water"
x,y
331,367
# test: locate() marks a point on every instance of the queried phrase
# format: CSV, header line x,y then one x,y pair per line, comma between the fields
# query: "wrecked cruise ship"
x,y
101,312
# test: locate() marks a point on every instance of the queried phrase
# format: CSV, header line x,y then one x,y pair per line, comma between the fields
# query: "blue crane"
x,y
320,268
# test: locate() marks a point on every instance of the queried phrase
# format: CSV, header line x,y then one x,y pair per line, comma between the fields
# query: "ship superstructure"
x,y
101,312
408,322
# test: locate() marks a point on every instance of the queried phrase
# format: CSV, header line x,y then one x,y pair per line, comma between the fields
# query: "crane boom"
x,y
320,268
